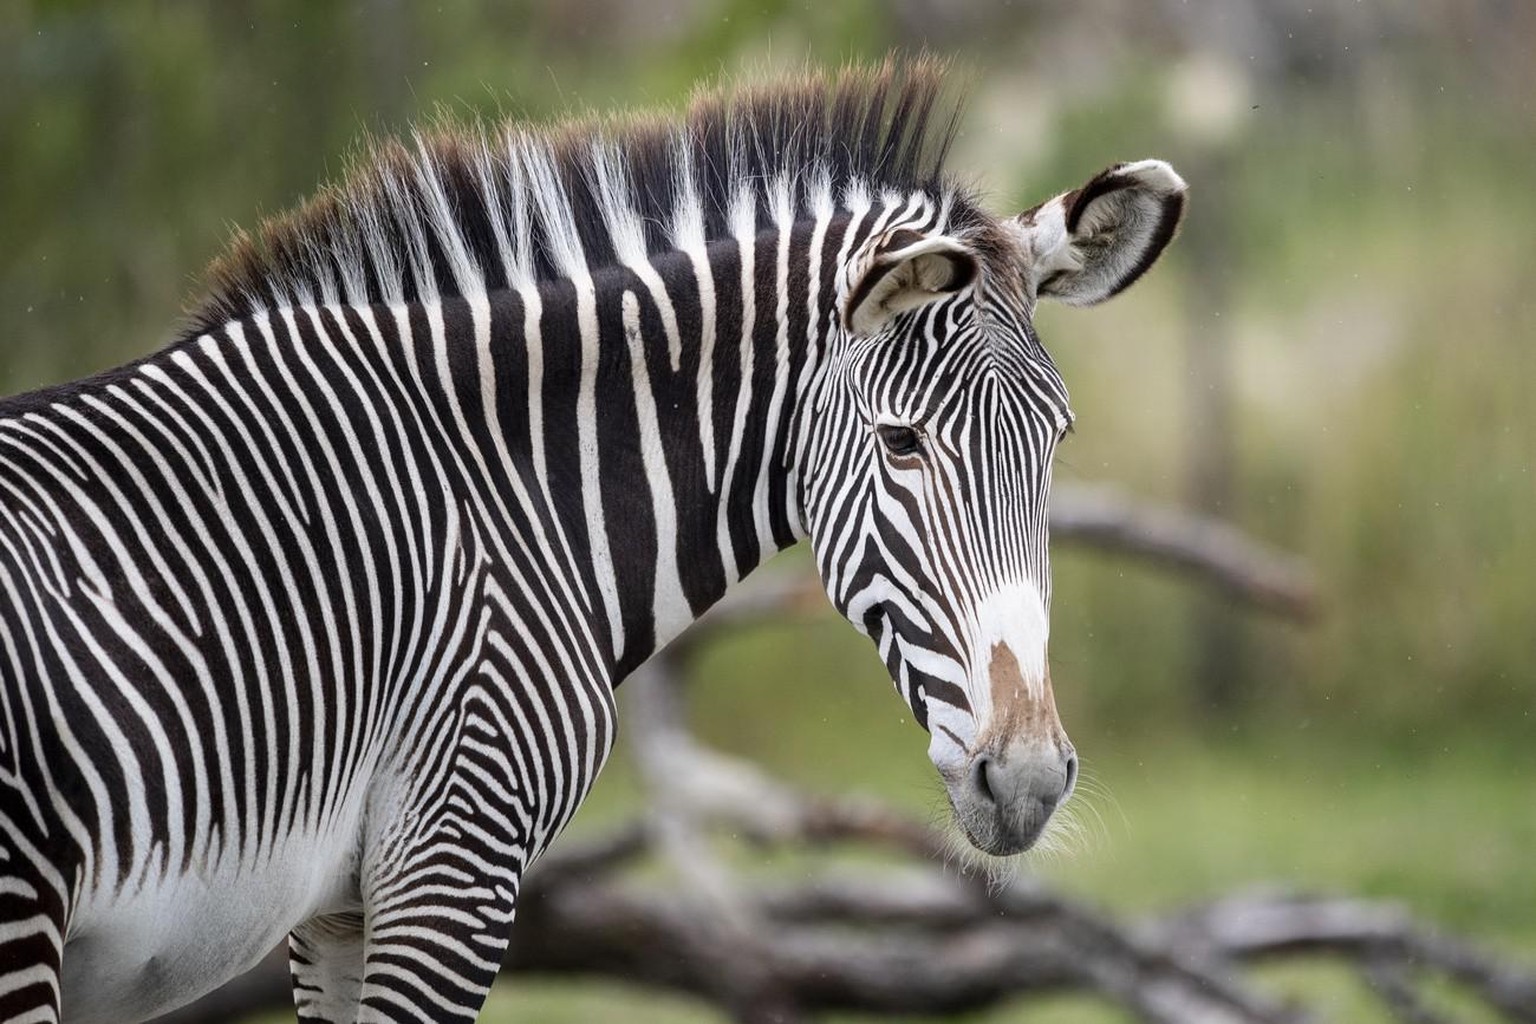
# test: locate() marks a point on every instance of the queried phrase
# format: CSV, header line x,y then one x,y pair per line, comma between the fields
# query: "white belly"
x,y
173,939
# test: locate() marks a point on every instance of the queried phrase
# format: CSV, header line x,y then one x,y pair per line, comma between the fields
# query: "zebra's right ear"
x,y
904,271
1087,245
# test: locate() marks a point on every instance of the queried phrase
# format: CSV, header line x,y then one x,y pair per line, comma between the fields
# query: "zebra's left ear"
x,y
904,271
1087,245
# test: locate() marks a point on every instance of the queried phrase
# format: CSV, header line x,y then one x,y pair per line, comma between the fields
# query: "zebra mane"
x,y
463,210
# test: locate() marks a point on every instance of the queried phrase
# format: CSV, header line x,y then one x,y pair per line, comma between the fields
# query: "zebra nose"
x,y
1049,780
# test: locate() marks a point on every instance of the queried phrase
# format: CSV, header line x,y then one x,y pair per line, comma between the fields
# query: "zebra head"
x,y
929,466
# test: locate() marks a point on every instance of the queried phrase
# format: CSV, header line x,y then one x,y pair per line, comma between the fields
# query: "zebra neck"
x,y
658,408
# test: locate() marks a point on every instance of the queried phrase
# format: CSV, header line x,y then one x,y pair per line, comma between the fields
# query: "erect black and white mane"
x,y
461,210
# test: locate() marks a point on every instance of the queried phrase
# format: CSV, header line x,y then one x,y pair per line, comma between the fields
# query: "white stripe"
x,y
671,608
744,229
586,445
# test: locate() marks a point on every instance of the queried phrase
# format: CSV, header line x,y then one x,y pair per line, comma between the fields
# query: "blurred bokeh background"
x,y
1339,356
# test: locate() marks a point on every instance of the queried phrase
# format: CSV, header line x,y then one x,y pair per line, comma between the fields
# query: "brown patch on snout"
x,y
1018,713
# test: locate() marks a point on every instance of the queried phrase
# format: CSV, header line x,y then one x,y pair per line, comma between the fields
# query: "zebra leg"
x,y
325,958
31,944
435,941
439,883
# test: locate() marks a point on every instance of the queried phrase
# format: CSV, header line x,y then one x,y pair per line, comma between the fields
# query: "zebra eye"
x,y
899,440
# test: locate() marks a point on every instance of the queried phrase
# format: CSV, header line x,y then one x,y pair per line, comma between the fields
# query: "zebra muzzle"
x,y
1005,800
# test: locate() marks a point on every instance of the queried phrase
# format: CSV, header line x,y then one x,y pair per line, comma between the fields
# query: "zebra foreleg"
x,y
442,863
325,958
434,945
439,885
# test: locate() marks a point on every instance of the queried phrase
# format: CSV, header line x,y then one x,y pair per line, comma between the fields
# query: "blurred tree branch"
x,y
1210,550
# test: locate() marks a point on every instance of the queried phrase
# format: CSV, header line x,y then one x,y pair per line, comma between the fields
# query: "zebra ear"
x,y
906,270
1087,245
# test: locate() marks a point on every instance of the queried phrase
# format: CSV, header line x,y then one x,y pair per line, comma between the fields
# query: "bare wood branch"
x,y
1267,925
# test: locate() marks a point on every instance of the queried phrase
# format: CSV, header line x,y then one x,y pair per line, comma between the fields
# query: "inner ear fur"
x,y
908,270
1092,243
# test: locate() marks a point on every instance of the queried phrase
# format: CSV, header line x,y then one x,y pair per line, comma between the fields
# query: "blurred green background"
x,y
1339,356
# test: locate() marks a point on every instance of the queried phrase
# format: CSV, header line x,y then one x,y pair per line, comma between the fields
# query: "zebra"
x,y
311,620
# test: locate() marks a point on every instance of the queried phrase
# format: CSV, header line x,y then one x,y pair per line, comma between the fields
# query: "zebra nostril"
x,y
979,778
